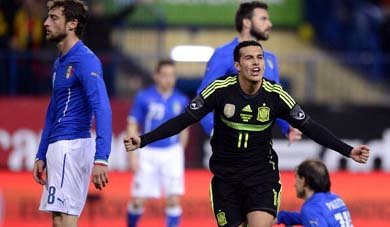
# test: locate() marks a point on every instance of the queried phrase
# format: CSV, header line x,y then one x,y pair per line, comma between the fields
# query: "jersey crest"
x,y
263,113
221,218
69,72
229,110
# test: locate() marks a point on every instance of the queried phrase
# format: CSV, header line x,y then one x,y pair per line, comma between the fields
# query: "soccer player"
x,y
252,23
245,187
160,165
321,208
66,151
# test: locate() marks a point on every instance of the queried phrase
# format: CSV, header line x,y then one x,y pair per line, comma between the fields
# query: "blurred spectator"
x,y
367,20
385,37
26,38
7,13
350,26
97,36
28,26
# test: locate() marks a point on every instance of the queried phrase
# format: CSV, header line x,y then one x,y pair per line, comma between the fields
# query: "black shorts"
x,y
231,202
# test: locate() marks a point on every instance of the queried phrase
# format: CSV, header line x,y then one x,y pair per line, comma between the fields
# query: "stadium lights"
x,y
191,53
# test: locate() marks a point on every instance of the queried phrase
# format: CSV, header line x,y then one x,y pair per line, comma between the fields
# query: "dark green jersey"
x,y
241,142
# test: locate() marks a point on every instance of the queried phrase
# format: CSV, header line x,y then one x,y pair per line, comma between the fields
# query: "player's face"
x,y
299,186
165,79
55,25
251,63
260,24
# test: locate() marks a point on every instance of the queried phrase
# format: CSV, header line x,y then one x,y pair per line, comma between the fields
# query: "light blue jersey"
x,y
78,94
320,210
222,64
151,109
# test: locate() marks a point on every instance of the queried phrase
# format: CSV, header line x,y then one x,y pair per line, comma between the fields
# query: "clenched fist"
x,y
132,143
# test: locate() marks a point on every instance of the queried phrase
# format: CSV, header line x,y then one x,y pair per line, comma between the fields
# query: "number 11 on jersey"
x,y
243,139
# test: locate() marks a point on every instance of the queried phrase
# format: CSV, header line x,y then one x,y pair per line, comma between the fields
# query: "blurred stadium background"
x,y
334,58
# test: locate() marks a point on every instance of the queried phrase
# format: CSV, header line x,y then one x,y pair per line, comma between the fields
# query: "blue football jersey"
x,y
221,64
78,94
150,109
320,210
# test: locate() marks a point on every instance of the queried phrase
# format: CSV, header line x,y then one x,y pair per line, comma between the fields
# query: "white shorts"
x,y
161,170
69,165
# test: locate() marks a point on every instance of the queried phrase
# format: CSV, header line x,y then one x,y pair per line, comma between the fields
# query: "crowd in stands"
x,y
25,56
360,29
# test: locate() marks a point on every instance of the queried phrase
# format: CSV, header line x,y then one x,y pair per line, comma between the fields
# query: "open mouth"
x,y
256,70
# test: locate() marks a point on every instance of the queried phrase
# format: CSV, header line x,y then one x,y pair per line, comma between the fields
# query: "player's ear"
x,y
71,25
246,23
237,65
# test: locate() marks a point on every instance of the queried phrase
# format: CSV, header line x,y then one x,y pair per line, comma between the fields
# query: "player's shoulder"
x,y
226,48
313,205
86,56
221,83
225,79
268,53
180,96
271,88
271,84
148,91
179,93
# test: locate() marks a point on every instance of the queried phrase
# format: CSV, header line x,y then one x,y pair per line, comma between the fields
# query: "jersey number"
x,y
343,218
51,197
243,140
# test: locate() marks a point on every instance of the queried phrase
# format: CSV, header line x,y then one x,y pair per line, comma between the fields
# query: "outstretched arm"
x,y
169,128
288,218
323,136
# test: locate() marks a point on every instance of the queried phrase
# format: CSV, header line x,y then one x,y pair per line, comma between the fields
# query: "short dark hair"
x,y
244,44
162,63
73,10
316,175
246,11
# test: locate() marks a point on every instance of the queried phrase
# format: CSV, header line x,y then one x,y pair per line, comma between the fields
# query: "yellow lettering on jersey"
x,y
245,117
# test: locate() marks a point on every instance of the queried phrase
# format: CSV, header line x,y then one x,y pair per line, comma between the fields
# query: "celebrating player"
x,y
245,188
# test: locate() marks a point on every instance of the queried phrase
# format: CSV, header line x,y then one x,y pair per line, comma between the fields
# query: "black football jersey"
x,y
241,141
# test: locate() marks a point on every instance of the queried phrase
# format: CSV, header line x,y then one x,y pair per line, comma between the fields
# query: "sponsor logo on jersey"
x,y
247,108
62,201
229,110
69,72
263,113
221,218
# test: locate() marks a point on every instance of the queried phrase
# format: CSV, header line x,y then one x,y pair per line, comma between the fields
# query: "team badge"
x,y
69,72
229,110
263,113
221,218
